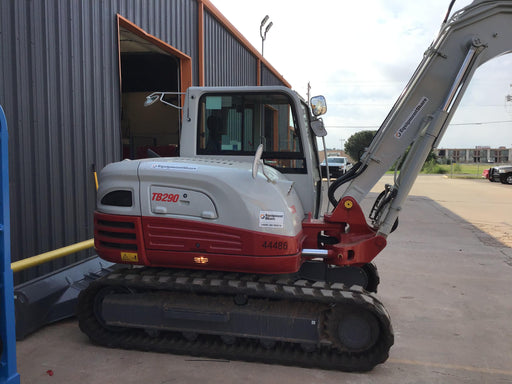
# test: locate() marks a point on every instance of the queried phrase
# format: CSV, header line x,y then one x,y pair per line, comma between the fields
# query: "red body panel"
x,y
358,242
166,242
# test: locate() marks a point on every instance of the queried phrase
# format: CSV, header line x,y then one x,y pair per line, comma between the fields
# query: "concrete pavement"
x,y
444,280
486,205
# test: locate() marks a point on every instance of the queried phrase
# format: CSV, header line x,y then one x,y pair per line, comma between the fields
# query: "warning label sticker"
x,y
407,123
271,219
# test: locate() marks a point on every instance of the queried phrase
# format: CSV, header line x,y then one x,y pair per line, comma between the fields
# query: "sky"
x,y
360,55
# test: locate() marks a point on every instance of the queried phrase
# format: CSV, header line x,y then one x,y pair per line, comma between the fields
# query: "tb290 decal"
x,y
165,197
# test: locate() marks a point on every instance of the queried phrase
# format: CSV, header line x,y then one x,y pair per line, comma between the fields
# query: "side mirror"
x,y
318,128
159,96
151,99
318,105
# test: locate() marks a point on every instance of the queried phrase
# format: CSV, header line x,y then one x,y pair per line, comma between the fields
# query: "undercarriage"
x,y
277,319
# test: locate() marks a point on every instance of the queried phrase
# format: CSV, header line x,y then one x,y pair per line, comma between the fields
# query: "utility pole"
x,y
508,101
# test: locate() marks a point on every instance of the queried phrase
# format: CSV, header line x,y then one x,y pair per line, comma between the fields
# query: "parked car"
x,y
502,174
338,165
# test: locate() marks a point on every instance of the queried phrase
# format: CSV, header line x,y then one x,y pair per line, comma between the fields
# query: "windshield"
x,y
236,124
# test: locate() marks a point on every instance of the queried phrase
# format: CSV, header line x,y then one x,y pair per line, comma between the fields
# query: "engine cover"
x,y
199,212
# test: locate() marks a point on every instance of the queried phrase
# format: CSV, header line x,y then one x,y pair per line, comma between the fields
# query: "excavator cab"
x,y
231,122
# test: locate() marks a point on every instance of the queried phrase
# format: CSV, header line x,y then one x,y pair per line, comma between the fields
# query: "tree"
x,y
356,143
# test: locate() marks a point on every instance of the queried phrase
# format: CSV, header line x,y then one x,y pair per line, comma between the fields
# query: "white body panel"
x,y
216,191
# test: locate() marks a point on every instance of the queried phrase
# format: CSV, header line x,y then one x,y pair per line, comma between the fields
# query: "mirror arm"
x,y
152,98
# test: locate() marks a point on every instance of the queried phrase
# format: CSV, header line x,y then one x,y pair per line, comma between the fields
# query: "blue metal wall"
x,y
59,77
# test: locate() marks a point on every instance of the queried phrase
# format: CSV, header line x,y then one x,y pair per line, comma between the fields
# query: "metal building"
x,y
74,75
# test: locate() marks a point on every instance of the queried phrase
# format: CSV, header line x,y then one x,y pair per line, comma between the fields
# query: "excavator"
x,y
227,253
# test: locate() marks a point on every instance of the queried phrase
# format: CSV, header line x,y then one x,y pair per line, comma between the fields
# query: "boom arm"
x,y
472,36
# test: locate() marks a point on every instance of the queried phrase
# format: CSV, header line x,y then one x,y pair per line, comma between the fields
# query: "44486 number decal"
x,y
275,244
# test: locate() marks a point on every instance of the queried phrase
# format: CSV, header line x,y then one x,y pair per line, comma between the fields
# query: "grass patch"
x,y
468,171
465,170
431,167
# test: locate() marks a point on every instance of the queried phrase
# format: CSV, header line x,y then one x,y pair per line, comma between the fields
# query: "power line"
x,y
353,126
485,122
378,126
388,104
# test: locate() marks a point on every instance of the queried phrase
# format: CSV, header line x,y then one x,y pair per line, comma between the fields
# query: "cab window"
x,y
235,125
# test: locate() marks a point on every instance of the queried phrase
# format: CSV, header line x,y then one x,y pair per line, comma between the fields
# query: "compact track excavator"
x,y
227,252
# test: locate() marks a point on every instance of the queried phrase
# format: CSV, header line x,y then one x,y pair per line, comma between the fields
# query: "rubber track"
x,y
274,287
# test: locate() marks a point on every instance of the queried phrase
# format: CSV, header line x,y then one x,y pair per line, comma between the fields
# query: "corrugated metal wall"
x,y
227,62
59,76
172,21
60,92
268,77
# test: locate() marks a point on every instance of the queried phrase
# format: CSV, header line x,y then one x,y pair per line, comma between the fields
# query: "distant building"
x,y
478,154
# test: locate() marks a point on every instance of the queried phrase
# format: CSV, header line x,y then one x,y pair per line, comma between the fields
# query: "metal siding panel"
x,y
40,130
174,22
268,78
59,70
9,98
20,136
63,110
227,61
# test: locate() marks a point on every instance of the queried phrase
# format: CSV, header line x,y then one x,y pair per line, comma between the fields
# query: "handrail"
x,y
33,261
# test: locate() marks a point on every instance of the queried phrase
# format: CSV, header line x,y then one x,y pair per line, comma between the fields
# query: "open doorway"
x,y
148,65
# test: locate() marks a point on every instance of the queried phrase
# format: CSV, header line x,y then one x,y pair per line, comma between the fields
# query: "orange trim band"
x,y
200,42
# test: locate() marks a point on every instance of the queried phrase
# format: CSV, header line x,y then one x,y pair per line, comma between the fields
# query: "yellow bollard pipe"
x,y
52,255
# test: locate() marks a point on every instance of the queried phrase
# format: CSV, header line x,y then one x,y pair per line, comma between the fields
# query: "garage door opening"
x,y
149,65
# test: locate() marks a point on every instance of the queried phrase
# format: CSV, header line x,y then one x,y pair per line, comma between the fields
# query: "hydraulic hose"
x,y
352,174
